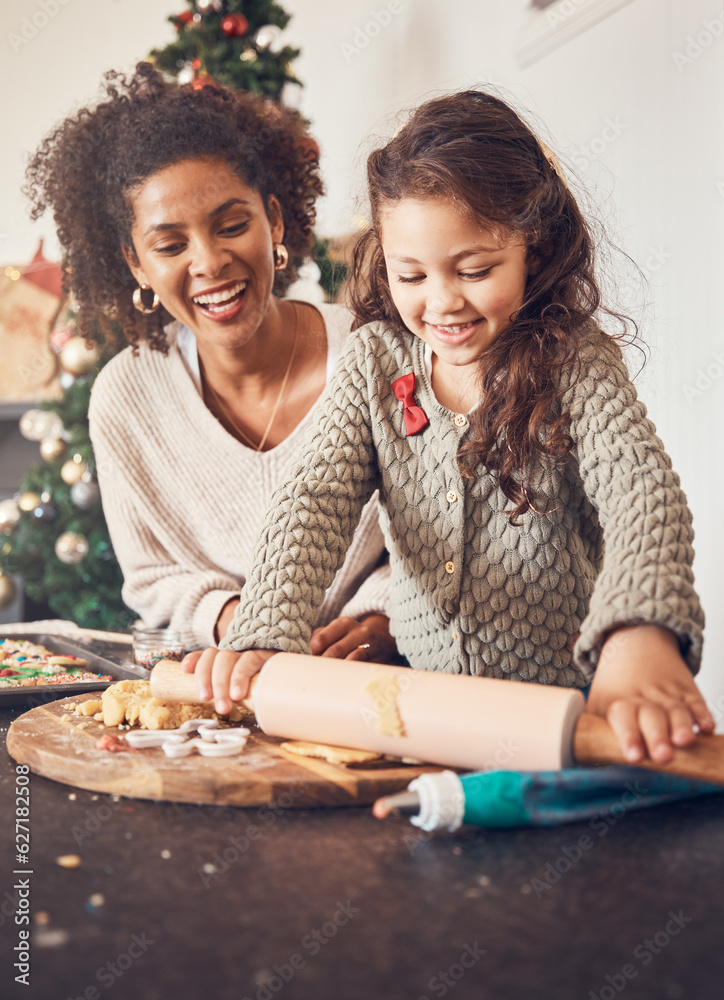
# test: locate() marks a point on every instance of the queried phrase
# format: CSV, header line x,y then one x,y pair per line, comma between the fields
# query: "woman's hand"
x,y
225,675
225,618
349,639
646,692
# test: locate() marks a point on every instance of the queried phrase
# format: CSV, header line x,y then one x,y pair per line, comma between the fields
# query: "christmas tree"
x,y
53,532
237,43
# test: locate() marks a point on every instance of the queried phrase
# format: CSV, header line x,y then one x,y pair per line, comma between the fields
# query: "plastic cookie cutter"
x,y
141,738
210,742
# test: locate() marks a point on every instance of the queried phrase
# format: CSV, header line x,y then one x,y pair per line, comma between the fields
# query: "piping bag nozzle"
x,y
434,801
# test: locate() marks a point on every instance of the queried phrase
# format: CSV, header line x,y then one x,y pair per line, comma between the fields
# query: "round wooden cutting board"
x,y
61,746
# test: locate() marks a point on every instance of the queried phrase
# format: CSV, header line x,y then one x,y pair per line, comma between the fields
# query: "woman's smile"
x,y
224,304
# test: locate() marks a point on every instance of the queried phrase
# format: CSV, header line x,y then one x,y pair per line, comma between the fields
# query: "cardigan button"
x,y
450,567
451,496
460,420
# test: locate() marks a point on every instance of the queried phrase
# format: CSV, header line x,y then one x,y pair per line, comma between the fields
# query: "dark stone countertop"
x,y
334,905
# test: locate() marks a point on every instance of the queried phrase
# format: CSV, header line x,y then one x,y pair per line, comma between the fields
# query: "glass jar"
x,y
153,644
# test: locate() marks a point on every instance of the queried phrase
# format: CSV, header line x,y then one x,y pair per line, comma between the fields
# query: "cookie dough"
x,y
384,690
334,755
131,703
91,707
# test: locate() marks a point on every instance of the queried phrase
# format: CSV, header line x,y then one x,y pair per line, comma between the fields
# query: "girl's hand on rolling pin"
x,y
644,689
225,675
350,639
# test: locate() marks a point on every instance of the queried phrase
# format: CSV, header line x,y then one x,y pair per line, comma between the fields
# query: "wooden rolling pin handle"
x,y
171,683
594,742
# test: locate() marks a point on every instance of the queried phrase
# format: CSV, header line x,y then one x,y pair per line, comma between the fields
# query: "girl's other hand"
x,y
644,689
225,675
350,639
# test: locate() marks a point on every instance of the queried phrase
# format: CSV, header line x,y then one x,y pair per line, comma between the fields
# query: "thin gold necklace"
x,y
225,410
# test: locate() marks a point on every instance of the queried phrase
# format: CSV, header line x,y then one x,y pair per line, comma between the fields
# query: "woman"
x,y
180,213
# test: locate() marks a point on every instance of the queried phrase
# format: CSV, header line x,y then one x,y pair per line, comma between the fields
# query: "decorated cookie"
x,y
28,664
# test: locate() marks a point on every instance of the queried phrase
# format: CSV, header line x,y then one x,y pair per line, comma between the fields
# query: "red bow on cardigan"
x,y
404,389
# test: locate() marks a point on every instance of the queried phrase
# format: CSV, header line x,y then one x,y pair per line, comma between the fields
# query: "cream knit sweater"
x,y
470,593
184,500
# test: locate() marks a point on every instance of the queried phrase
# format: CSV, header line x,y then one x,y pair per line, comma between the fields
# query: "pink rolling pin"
x,y
471,723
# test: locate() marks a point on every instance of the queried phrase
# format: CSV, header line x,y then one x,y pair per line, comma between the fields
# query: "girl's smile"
x,y
457,334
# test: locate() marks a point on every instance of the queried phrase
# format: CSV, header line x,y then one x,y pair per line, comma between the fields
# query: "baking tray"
x,y
114,658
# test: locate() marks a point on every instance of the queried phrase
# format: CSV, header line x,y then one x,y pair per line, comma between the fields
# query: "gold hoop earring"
x,y
139,303
281,256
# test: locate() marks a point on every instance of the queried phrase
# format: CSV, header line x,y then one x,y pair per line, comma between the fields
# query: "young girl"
x,y
535,527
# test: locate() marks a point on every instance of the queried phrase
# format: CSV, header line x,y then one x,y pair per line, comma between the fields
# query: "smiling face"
x,y
455,284
203,241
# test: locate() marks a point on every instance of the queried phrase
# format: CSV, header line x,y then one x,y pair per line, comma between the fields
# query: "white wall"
x,y
655,181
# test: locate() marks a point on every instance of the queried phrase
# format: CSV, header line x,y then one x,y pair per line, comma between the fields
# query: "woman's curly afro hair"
x,y
86,168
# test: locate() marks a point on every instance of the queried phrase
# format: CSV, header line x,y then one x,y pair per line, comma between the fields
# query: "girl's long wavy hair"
x,y
86,169
473,148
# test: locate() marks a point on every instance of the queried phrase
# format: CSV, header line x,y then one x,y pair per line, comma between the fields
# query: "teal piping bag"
x,y
444,800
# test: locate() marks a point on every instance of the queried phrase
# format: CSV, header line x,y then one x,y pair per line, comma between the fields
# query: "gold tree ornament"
x,y
51,449
77,357
38,424
71,547
9,515
28,501
72,472
7,590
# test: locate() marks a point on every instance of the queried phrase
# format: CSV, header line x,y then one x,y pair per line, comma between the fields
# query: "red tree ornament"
x,y
234,25
183,19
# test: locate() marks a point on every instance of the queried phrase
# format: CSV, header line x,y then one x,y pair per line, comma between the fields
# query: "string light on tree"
x,y
209,6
